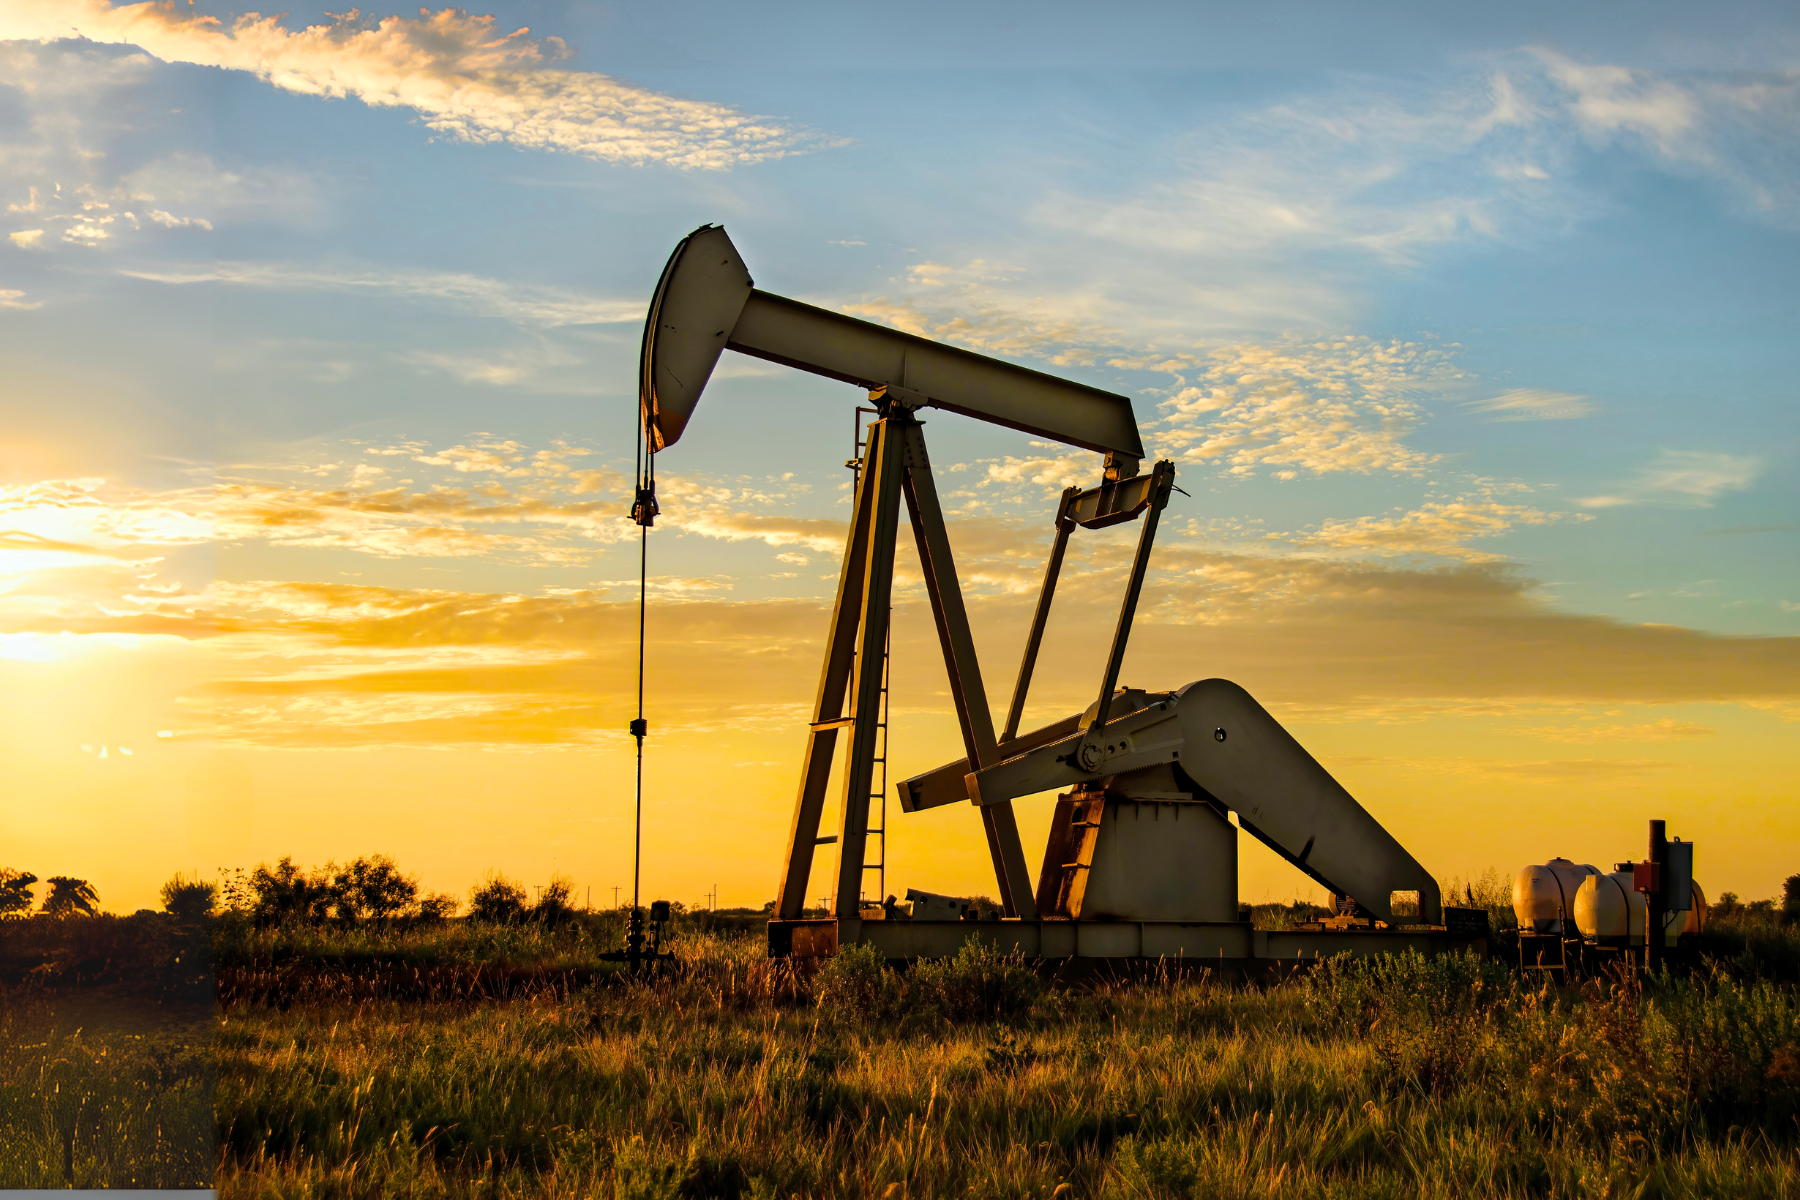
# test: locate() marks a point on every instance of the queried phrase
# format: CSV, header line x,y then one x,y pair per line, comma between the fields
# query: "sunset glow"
x,y
322,339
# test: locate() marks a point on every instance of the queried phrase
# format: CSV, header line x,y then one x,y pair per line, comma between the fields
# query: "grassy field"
x,y
101,1090
458,1059
733,1076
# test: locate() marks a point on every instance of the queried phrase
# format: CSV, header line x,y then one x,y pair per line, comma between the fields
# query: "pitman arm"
x,y
1227,744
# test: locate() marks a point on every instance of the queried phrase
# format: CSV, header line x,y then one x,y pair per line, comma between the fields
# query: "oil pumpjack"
x,y
1142,854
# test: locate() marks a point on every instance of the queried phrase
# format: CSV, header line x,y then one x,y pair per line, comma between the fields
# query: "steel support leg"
x,y
828,707
966,687
883,472
1140,565
1041,617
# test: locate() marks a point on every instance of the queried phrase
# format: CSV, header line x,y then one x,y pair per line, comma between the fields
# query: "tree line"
x,y
368,888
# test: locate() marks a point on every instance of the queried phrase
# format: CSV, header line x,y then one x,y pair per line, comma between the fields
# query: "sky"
x,y
1472,335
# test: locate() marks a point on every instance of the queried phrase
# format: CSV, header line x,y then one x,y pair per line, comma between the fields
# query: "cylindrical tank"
x,y
1609,911
1544,894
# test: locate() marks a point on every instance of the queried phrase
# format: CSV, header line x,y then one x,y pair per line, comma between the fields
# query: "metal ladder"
x,y
879,866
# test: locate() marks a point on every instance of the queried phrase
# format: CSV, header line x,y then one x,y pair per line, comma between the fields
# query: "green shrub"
x,y
979,984
1733,1046
856,982
1755,942
1351,994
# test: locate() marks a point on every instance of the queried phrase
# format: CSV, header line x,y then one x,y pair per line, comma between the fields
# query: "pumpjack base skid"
x,y
1231,944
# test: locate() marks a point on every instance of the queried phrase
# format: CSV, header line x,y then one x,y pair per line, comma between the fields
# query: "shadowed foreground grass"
x,y
734,1077
98,1092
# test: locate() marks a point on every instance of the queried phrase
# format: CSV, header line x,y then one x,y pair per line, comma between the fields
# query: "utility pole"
x,y
615,896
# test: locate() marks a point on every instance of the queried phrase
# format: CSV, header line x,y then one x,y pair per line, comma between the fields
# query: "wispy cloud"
x,y
1580,771
977,305
1280,217
14,298
468,81
1286,405
1533,404
1737,132
1344,404
72,169
1331,635
522,303
1382,174
1683,479
1439,529
1666,730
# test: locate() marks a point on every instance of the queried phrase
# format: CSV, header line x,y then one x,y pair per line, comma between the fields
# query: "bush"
x,y
979,984
1736,1046
1426,1020
189,899
1354,994
1754,941
497,900
553,906
855,982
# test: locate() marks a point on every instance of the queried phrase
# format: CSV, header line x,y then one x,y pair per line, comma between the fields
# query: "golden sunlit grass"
x,y
734,1076
731,1075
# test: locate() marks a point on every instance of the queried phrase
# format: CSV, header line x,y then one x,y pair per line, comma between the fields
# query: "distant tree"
x,y
438,906
287,892
1790,896
374,887
69,895
189,899
497,900
15,892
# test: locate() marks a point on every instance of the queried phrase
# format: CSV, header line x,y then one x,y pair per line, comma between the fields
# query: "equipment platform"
x,y
1224,942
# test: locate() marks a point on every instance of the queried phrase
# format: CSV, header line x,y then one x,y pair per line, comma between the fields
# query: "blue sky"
x,y
316,323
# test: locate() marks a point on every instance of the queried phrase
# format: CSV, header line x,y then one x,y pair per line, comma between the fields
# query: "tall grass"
x,y
574,942
100,1108
735,1076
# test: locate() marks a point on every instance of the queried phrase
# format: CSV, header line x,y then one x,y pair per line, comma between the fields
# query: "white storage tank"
x,y
1544,895
1609,911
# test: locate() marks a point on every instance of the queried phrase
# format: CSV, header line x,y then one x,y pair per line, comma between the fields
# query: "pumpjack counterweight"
x,y
1142,856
